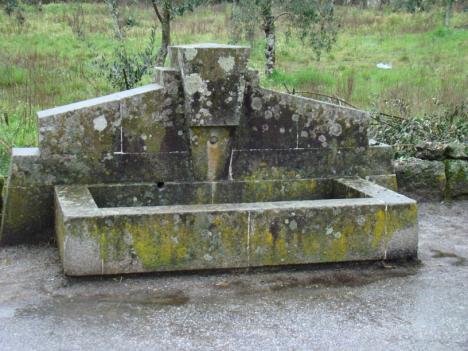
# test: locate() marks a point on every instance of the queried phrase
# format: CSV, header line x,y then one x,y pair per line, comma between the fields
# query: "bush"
x,y
124,70
445,127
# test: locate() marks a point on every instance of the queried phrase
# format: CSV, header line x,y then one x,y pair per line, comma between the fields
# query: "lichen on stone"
x,y
226,63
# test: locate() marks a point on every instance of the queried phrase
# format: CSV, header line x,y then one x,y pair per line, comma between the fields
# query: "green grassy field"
x,y
45,63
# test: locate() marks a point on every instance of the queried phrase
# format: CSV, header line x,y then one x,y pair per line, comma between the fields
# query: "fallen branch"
x,y
340,100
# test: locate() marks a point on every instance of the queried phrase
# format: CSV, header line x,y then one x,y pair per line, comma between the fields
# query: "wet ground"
x,y
422,306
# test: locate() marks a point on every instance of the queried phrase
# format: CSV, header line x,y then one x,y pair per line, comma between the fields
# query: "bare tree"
x,y
166,11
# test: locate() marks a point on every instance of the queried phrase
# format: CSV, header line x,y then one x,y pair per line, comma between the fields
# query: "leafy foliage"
x,y
314,22
10,7
447,126
124,70
413,5
180,7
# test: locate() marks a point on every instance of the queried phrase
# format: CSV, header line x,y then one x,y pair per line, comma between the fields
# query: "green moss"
x,y
457,178
172,241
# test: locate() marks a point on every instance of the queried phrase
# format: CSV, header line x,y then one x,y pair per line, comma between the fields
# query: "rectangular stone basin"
x,y
145,227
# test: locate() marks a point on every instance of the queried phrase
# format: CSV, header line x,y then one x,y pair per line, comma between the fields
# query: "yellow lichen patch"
x,y
201,196
400,217
334,246
379,228
158,243
103,247
259,191
282,239
263,190
339,248
232,233
310,244
261,242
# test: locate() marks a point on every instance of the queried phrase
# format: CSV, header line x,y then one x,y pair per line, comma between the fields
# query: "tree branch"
x,y
156,10
281,15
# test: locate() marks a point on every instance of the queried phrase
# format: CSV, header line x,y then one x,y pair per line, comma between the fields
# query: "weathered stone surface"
x,y
169,78
269,123
252,78
152,122
146,167
214,83
73,169
328,234
457,151
152,194
91,127
283,121
28,193
379,159
400,237
26,206
309,163
274,190
206,170
431,151
140,239
457,178
401,231
218,192
25,209
211,152
421,179
112,243
388,181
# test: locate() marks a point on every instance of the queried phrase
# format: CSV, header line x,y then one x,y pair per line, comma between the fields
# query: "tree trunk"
x,y
165,20
114,9
270,38
448,12
233,9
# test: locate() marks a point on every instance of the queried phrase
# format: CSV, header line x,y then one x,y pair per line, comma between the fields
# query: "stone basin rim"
x,y
229,207
85,205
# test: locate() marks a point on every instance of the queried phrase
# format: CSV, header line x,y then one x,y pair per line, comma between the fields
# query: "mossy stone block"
x,y
421,179
457,178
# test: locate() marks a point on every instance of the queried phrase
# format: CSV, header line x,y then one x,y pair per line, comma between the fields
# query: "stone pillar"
x,y
213,77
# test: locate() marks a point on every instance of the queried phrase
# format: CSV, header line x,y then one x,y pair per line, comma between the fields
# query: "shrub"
x,y
124,70
447,126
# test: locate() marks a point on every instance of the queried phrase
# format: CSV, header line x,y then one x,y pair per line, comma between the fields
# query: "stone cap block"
x,y
213,78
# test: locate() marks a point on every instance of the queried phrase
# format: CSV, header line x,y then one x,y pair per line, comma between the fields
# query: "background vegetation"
x,y
54,54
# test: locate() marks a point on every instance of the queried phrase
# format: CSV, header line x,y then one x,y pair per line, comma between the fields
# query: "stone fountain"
x,y
204,169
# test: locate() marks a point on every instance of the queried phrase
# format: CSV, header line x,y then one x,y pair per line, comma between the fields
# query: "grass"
x,y
48,61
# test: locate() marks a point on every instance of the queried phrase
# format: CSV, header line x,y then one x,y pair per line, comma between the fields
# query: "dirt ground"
x,y
407,306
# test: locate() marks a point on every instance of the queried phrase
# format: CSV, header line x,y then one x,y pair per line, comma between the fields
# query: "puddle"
x,y
105,306
124,302
458,260
177,298
360,275
7,312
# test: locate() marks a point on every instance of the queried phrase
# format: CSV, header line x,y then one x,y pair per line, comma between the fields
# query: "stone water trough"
x,y
204,169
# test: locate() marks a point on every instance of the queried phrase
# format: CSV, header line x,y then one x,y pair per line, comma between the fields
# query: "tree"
x,y
166,11
313,21
124,69
448,12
